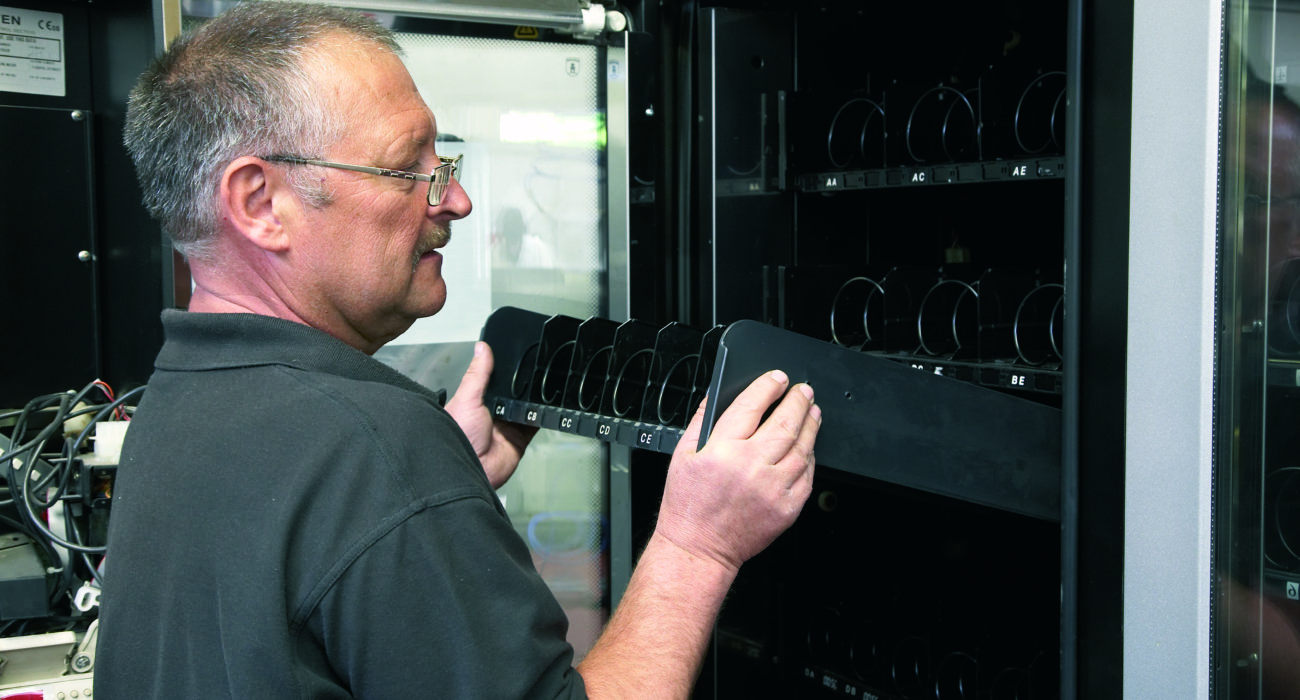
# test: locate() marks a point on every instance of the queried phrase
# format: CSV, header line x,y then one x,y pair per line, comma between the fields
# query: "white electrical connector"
x,y
108,440
87,597
615,22
595,21
73,426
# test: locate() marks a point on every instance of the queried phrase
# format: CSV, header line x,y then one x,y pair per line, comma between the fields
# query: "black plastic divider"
x,y
554,353
1001,292
590,364
947,320
704,369
592,378
672,381
889,422
630,366
857,317
1038,325
939,124
1024,113
905,289
513,334
855,133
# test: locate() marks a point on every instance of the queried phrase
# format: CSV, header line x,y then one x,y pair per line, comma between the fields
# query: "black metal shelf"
x,y
1049,167
998,375
1046,168
882,419
1281,584
1284,373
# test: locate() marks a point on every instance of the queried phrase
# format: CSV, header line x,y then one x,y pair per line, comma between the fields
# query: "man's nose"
x,y
455,201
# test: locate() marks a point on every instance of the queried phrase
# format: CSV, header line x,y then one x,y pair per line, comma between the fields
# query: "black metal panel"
x,y
746,69
1101,59
47,268
134,258
652,261
869,595
84,200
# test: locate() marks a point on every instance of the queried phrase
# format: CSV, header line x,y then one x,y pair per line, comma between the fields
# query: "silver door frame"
x,y
1173,228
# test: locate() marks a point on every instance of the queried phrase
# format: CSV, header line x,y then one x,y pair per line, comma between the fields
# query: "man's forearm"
x,y
655,642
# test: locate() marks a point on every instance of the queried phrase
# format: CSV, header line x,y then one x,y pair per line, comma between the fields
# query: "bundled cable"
x,y
41,481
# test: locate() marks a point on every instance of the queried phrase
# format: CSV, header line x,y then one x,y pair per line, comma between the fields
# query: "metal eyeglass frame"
x,y
1273,202
438,180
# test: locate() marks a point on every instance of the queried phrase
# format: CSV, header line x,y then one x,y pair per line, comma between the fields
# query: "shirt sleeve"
x,y
446,602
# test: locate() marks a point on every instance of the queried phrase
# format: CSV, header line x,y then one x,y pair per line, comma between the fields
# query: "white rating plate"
x,y
31,52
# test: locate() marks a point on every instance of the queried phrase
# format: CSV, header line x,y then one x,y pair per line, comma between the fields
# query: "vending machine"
x,y
928,212
894,183
884,202
1038,259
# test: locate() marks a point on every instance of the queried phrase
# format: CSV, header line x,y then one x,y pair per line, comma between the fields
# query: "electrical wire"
x,y
20,427
127,411
35,481
16,480
119,411
71,450
13,524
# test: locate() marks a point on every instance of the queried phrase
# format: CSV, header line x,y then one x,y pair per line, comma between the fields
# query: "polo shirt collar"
x,y
197,341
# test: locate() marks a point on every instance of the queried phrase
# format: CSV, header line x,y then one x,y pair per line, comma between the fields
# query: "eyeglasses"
x,y
1274,203
438,180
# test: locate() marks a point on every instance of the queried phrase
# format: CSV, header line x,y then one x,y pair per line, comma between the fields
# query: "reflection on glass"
x,y
514,244
1257,602
1271,173
526,113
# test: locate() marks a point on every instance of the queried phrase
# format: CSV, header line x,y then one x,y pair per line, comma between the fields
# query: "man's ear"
x,y
249,188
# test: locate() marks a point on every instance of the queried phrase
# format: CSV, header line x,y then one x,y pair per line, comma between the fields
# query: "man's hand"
x,y
721,506
730,500
499,444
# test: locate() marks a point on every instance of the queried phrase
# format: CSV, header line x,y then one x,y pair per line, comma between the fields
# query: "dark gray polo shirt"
x,y
294,519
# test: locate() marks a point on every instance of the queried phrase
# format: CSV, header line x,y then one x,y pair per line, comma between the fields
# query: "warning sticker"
x,y
31,52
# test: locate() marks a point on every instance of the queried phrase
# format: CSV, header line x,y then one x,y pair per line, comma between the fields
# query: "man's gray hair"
x,y
236,86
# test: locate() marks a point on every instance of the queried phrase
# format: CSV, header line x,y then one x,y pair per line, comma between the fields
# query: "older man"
x,y
293,518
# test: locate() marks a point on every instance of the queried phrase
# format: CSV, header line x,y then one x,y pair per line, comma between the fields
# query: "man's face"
x,y
1272,170
366,266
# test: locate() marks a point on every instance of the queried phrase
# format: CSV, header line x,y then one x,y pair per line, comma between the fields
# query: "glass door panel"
x,y
528,119
1256,649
